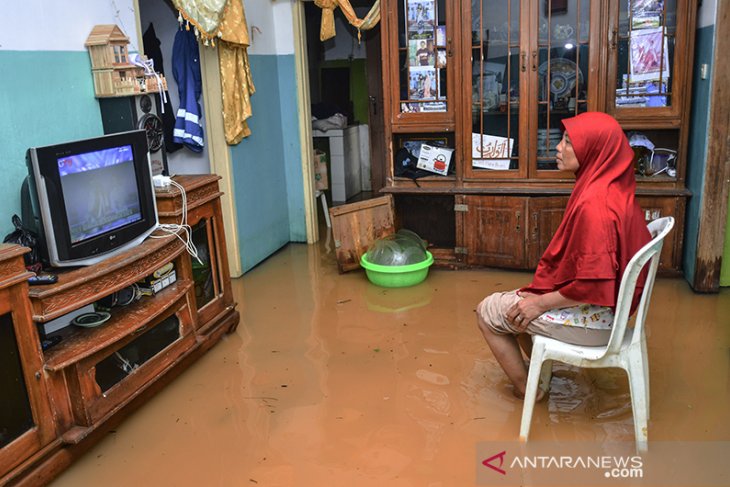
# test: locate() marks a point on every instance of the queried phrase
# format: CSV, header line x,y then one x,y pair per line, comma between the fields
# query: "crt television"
x,y
90,199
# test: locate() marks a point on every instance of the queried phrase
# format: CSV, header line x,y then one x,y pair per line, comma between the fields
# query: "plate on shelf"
x,y
91,320
562,76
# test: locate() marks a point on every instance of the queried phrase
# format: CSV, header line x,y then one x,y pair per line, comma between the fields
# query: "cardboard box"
x,y
435,159
321,181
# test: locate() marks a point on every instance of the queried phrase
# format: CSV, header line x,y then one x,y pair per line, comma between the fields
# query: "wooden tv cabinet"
x,y
71,394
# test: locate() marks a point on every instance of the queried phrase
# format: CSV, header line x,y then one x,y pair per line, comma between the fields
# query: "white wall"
x,y
50,25
707,13
270,26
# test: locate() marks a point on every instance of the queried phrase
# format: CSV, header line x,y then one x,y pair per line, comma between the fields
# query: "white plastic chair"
x,y
626,347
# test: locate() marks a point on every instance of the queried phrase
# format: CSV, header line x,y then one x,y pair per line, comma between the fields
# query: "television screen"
x,y
92,206
90,199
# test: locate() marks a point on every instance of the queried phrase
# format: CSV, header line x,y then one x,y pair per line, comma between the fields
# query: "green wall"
x,y
46,97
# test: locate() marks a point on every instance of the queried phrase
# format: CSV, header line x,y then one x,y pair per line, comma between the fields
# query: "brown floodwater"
x,y
331,381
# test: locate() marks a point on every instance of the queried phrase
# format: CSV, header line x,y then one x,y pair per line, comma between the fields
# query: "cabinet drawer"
x,y
107,380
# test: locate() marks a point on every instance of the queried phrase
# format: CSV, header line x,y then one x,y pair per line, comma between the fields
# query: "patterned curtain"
x,y
225,20
236,81
205,15
327,29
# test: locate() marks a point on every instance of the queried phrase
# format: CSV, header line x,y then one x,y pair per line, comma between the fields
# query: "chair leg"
x,y
645,367
533,380
323,198
546,375
637,386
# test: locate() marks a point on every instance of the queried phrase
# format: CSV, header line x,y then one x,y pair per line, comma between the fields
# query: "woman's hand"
x,y
525,310
533,305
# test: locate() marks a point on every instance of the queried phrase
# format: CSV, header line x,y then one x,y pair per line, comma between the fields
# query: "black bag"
x,y
26,238
405,165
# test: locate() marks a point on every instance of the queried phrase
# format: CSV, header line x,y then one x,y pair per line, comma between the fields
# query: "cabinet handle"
x,y
518,214
534,60
449,48
614,37
524,61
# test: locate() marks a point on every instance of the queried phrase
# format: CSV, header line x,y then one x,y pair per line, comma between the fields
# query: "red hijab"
x,y
603,226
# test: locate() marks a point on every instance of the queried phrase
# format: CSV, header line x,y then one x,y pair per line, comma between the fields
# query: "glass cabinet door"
x,y
26,421
496,79
205,272
425,55
643,46
560,64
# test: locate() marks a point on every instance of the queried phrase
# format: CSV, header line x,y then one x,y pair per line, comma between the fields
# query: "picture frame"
x,y
441,58
421,52
422,83
441,36
648,55
420,18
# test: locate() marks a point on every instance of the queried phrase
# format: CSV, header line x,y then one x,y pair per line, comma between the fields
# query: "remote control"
x,y
42,279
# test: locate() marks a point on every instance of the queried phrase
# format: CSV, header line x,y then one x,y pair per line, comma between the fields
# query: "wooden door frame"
x,y
716,187
219,153
304,112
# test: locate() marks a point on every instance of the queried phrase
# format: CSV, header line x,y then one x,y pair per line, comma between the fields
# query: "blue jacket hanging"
x,y
186,69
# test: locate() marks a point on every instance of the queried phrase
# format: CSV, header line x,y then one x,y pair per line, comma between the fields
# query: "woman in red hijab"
x,y
573,293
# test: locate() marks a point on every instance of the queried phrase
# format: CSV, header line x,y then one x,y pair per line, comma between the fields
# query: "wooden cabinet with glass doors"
x,y
493,79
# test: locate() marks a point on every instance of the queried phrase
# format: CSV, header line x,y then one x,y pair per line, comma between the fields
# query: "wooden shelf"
x,y
130,320
85,285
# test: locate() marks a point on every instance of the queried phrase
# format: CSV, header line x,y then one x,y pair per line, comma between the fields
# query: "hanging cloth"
x,y
186,69
327,28
205,15
152,49
236,81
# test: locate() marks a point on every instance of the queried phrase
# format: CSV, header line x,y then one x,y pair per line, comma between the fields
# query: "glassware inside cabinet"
x,y
562,72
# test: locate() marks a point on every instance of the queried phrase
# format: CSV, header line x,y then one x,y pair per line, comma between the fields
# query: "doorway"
x,y
344,79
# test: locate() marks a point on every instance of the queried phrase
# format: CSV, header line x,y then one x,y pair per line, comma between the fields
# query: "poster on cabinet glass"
x,y
422,83
420,19
421,52
491,151
649,55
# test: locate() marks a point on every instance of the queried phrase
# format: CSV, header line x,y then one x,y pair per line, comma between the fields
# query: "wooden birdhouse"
x,y
114,74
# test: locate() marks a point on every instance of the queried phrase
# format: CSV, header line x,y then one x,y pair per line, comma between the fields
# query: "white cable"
x,y
175,229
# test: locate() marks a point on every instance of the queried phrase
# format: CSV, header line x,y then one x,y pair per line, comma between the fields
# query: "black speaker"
x,y
125,113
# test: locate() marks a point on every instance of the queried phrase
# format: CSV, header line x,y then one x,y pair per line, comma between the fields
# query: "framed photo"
x,y
421,52
441,36
420,18
422,83
441,58
649,55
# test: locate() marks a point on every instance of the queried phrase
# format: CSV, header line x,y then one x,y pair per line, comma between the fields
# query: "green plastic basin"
x,y
397,275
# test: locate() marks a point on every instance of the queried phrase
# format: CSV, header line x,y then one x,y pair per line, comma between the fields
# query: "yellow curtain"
x,y
327,28
236,81
225,20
